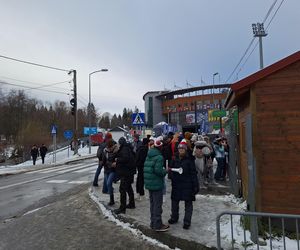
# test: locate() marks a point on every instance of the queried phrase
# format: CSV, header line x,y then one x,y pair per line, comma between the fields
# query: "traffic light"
x,y
73,104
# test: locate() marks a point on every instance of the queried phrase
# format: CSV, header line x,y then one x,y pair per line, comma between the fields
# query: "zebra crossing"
x,y
80,168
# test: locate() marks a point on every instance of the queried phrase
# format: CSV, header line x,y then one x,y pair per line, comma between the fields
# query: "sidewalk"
x,y
202,233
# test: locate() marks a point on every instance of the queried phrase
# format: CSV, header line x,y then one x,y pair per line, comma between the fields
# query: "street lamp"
x,y
89,107
214,86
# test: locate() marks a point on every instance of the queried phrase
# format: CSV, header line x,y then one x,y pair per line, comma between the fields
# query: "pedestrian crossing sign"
x,y
53,130
138,119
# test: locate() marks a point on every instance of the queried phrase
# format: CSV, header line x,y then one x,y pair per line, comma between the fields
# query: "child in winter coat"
x,y
154,174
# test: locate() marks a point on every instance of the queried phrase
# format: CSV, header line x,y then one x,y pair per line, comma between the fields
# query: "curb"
x,y
164,237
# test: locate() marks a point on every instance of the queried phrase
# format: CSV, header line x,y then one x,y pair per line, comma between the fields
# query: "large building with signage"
x,y
196,109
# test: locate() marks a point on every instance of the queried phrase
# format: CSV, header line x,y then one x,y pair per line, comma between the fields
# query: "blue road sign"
x,y
138,119
53,130
90,131
68,134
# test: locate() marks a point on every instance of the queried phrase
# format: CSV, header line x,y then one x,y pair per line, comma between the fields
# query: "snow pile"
x,y
108,214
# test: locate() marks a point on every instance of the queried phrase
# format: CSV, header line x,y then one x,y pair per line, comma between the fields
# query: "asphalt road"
x,y
72,221
50,209
21,192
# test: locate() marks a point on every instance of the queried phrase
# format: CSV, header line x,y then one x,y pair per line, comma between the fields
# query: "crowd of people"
x,y
186,159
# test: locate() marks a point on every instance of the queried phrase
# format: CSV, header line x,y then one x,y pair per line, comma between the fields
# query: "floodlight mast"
x,y
259,31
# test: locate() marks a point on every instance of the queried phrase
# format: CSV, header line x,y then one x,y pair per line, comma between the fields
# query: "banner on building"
x,y
211,117
202,119
190,118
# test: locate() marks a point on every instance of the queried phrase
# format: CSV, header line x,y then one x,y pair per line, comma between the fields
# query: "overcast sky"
x,y
146,45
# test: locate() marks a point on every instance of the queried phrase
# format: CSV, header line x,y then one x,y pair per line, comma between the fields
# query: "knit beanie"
x,y
183,144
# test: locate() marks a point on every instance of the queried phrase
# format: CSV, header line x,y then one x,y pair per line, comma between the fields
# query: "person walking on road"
x,y
154,175
125,169
43,151
34,153
184,185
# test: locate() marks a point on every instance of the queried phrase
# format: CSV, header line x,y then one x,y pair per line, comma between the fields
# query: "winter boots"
x,y
111,201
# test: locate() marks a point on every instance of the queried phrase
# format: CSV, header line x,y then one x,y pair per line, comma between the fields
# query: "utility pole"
x,y
259,31
74,111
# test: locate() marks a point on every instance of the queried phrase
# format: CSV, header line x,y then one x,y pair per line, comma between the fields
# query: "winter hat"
x,y
194,138
122,141
201,144
158,143
183,144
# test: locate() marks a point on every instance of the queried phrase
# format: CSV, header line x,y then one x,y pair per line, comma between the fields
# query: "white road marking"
x,y
78,182
61,168
68,170
86,169
57,181
51,169
42,178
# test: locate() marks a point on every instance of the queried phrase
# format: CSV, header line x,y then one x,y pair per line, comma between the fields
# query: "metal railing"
x,y
257,215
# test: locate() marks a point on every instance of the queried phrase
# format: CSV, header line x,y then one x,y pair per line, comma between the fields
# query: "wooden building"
x,y
268,103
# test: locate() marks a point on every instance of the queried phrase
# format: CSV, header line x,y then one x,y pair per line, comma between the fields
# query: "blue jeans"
x,y
220,168
98,171
108,182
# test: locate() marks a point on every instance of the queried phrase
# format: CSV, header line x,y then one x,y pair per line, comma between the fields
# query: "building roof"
x,y
249,80
153,92
266,71
193,89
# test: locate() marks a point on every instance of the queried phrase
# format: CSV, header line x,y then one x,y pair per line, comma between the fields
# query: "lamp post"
x,y
214,87
89,107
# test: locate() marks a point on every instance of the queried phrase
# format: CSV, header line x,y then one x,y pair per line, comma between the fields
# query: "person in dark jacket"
x,y
136,143
139,162
109,155
100,149
184,185
154,175
34,153
125,169
43,151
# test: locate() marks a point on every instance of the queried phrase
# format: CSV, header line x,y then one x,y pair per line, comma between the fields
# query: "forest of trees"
x,y
26,121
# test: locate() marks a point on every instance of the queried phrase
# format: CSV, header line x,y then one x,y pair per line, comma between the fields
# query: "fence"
x,y
257,215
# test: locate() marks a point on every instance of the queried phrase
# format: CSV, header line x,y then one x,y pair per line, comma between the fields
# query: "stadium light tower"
x,y
259,31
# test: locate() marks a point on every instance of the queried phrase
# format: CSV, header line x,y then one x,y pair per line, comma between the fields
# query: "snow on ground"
x,y
136,232
63,155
